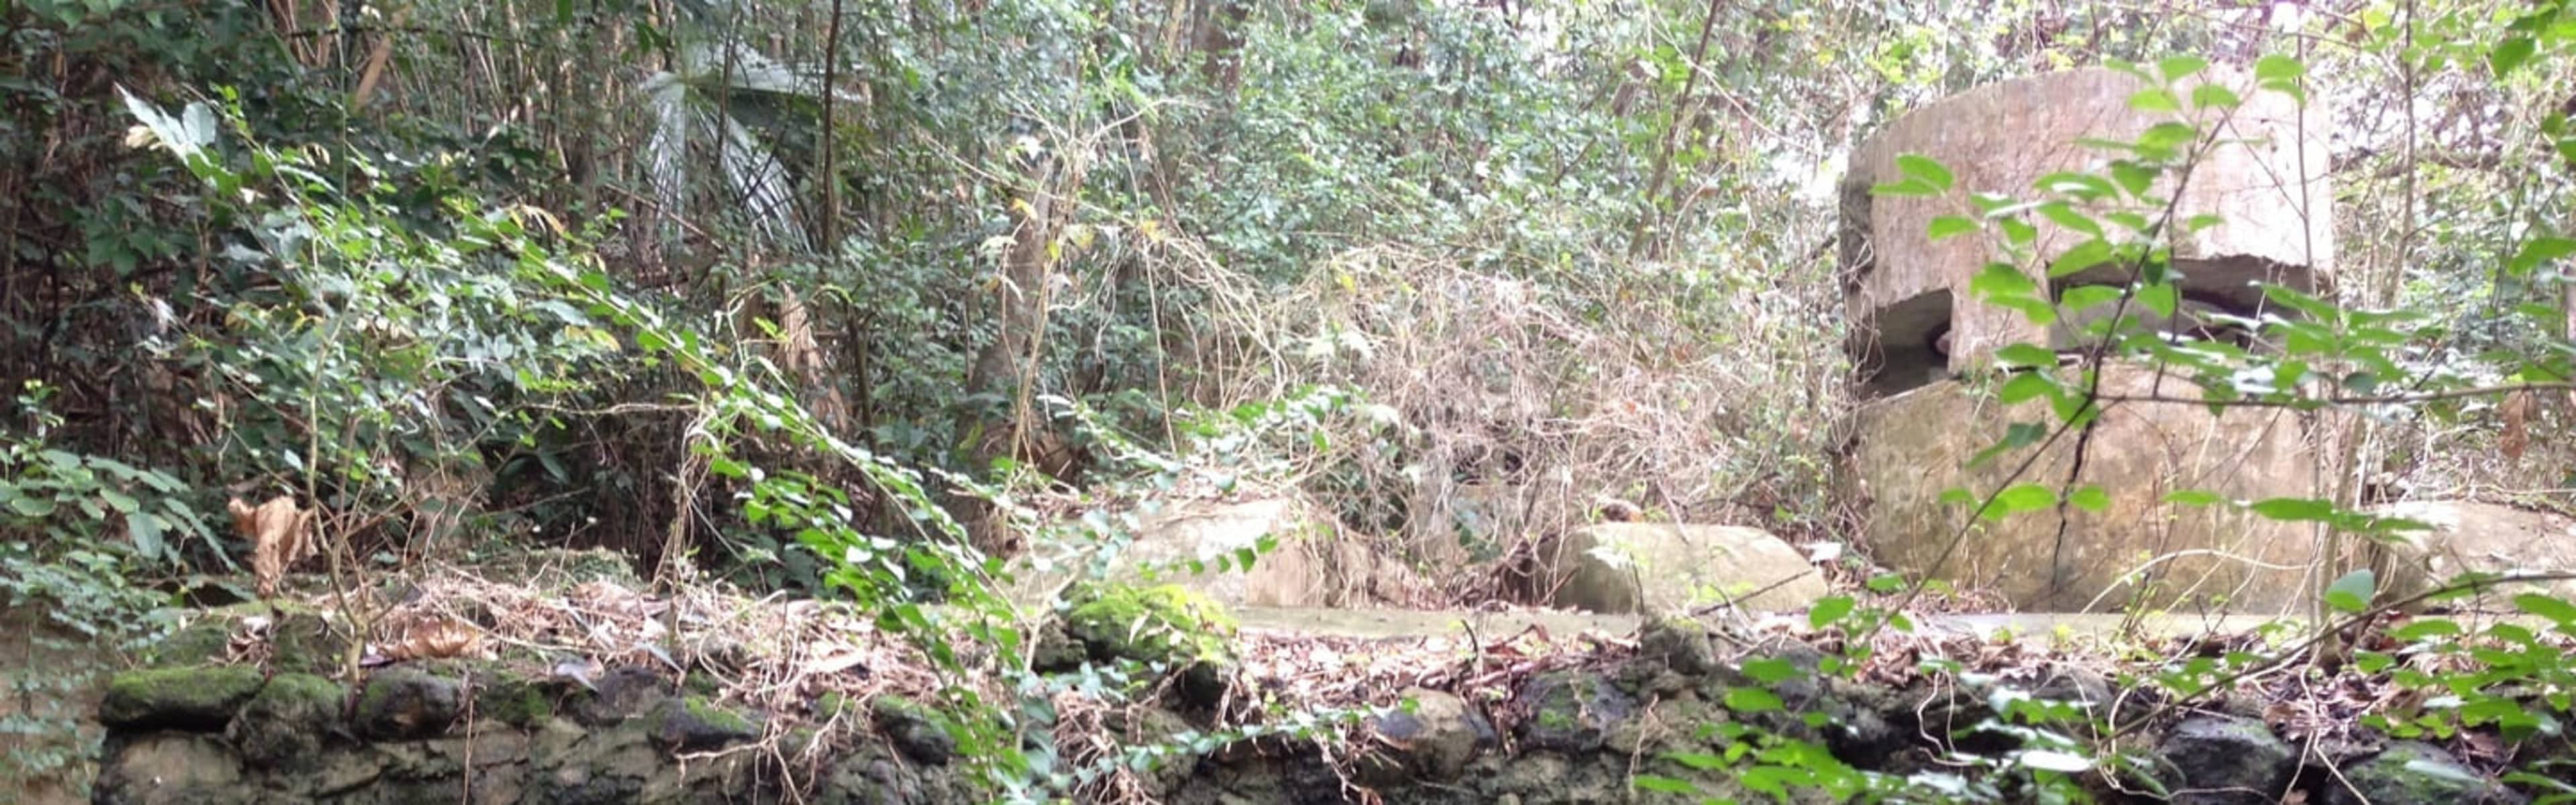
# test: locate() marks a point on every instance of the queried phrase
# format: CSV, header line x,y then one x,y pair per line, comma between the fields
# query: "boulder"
x,y
2473,537
914,729
408,703
1310,565
1671,569
1435,737
2412,773
1911,448
693,724
2225,760
285,724
1571,711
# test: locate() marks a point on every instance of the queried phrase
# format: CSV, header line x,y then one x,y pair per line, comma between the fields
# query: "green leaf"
x,y
2192,497
1697,760
2213,96
2510,54
32,506
2027,386
2133,177
2066,216
1909,188
1773,671
1667,785
2017,231
2293,509
1931,171
2025,497
2352,592
2154,99
2002,280
1829,609
2425,628
2083,186
2091,498
2085,255
1949,226
2277,67
2538,251
2085,297
1753,700
2177,68
2026,354
2164,138
2162,297
2557,610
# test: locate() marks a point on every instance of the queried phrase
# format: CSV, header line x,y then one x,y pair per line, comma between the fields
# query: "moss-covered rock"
x,y
201,697
515,701
1166,624
1572,710
917,731
283,725
2412,773
299,638
2222,760
408,703
1679,644
694,724
626,691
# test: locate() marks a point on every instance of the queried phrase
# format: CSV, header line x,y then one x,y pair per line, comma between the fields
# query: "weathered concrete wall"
x,y
1310,564
2475,537
1912,447
2002,137
1917,322
1671,569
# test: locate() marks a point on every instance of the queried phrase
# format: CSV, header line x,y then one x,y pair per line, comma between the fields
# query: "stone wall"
x,y
1577,733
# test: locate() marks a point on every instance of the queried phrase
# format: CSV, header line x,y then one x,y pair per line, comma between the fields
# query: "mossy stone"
x,y
2414,773
693,724
1165,623
514,701
282,725
200,697
1572,710
301,639
917,732
402,703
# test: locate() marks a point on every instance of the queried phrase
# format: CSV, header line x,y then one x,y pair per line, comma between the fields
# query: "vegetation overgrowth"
x,y
858,299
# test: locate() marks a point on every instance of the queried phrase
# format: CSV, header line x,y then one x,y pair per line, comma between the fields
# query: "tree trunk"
x,y
998,368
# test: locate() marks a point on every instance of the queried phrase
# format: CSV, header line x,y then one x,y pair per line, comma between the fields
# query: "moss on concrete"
x,y
1165,623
